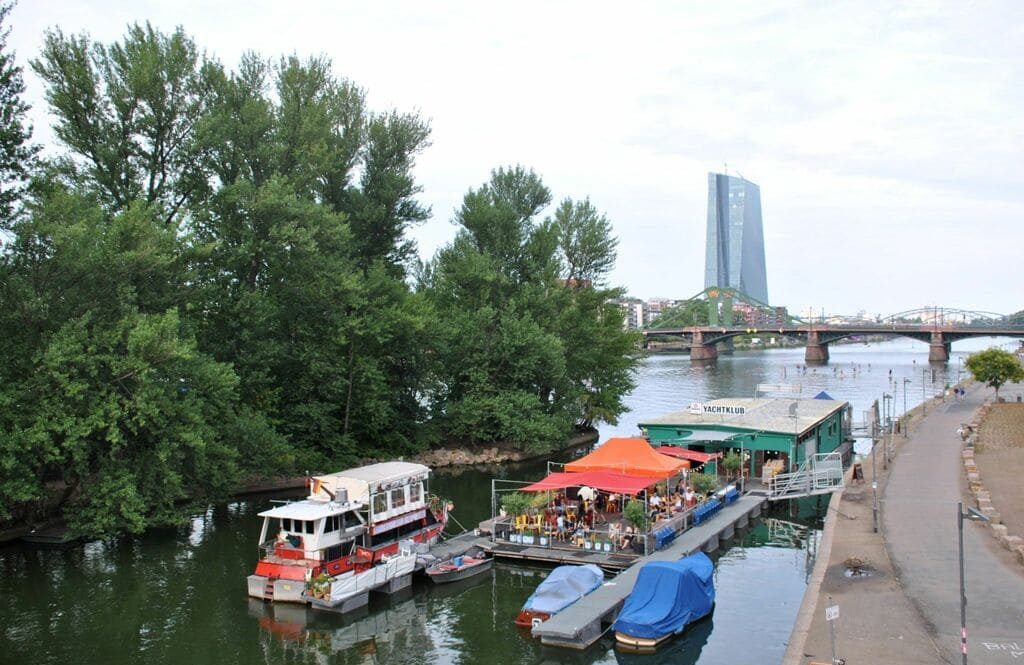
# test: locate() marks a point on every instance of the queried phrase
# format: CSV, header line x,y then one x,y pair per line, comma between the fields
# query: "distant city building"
x,y
735,238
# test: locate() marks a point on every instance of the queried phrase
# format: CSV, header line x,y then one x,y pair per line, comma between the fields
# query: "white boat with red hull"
x,y
350,525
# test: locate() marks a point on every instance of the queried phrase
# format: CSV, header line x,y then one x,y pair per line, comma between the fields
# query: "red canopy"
x,y
602,480
628,455
686,453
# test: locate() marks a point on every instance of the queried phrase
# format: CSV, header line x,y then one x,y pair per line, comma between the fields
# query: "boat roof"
x,y
307,510
362,481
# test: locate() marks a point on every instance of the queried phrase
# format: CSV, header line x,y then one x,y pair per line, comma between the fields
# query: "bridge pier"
x,y
701,351
816,352
938,348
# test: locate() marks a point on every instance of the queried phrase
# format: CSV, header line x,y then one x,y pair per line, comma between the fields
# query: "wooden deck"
x,y
584,622
608,561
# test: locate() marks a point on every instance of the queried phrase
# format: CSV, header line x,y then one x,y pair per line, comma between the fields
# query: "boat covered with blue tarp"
x,y
668,596
563,587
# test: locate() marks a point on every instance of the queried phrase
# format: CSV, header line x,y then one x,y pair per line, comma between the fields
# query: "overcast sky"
x,y
887,142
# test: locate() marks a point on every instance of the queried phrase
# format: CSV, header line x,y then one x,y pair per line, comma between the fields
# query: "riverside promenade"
x,y
906,609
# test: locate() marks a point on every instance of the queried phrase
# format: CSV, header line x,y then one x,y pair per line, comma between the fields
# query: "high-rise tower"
x,y
735,249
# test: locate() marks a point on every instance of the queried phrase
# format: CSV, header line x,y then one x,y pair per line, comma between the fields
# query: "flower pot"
x,y
587,545
607,547
543,541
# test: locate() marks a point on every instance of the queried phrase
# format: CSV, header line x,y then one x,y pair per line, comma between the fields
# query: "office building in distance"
x,y
735,244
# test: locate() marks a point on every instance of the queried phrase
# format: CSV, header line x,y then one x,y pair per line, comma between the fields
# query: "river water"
x,y
179,596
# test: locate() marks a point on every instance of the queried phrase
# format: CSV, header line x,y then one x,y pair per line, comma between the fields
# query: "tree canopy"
x,y
995,367
214,281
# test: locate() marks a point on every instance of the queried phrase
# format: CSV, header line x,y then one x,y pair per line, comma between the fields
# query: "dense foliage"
x,y
214,282
995,367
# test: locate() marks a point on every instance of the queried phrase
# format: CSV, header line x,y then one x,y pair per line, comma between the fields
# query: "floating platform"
x,y
584,622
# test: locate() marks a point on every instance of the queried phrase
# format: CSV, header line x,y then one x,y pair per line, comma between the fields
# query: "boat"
x,y
350,524
563,587
668,596
458,568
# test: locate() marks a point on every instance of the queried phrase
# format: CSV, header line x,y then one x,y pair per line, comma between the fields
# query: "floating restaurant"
x,y
774,435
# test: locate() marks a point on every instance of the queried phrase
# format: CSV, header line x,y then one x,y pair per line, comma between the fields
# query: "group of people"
x,y
682,498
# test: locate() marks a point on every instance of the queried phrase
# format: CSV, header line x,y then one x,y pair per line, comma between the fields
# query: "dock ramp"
x,y
819,474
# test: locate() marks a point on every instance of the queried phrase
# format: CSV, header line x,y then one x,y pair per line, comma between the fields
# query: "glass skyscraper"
x,y
735,249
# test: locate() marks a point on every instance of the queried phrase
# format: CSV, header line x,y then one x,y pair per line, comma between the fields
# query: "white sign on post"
x,y
832,613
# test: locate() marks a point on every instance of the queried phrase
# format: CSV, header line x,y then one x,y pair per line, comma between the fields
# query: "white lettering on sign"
x,y
832,613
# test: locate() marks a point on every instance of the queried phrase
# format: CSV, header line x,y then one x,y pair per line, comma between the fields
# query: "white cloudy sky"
x,y
887,141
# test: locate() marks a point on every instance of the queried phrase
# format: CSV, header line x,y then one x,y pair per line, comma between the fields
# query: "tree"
x,y
995,367
585,242
128,113
16,154
109,398
687,314
524,352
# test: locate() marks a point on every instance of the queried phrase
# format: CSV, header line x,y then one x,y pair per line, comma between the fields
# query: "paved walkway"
x,y
908,609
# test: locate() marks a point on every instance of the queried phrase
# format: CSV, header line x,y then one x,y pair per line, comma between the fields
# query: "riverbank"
x,y
894,580
450,459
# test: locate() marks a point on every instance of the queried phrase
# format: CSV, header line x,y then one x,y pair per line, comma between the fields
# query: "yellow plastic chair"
x,y
521,523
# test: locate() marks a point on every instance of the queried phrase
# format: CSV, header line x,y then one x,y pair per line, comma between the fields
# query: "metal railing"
x,y
820,474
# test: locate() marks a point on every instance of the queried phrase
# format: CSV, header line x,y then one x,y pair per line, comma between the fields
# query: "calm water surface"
x,y
179,596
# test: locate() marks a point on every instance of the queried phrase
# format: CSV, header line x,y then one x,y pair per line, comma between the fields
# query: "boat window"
x,y
310,526
286,524
380,503
398,497
415,492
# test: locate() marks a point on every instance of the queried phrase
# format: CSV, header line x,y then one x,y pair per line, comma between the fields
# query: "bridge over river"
x,y
938,328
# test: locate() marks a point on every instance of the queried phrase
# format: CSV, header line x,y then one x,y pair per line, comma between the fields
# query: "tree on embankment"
x,y
529,346
212,283
995,367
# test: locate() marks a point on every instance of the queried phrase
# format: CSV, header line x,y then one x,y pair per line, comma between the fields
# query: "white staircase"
x,y
819,474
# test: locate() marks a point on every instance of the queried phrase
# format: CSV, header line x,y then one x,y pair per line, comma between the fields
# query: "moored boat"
x,y
458,568
563,587
351,522
667,596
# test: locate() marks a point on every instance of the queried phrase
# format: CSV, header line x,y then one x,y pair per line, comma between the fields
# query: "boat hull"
x,y
641,643
531,618
445,573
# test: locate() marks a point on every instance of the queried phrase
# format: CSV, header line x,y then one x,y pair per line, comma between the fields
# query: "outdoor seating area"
x,y
625,497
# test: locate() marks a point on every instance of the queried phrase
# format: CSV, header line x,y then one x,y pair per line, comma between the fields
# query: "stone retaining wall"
x,y
982,497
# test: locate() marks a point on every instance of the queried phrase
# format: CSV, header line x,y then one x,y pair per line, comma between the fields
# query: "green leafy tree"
x,y
524,352
995,367
684,315
16,153
115,405
127,112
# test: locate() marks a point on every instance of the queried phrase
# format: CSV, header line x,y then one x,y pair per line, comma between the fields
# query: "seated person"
x,y
614,531
579,535
627,538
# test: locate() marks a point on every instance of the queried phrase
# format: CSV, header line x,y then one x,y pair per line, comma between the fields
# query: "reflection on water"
x,y
177,596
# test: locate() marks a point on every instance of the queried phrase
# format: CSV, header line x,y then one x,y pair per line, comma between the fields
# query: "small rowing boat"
x,y
458,568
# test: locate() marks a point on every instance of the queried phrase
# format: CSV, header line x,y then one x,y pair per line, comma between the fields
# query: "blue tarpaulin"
x,y
563,587
824,395
668,595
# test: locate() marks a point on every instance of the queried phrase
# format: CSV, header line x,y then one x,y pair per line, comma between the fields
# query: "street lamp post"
x,y
886,428
973,515
924,397
904,427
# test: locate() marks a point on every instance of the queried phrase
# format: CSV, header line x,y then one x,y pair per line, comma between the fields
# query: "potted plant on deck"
x,y
703,484
636,515
515,504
